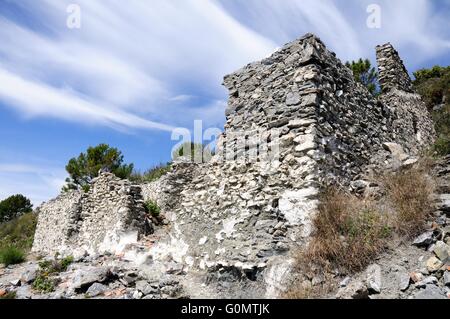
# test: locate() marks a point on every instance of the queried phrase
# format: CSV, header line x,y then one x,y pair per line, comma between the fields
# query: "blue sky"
x,y
137,69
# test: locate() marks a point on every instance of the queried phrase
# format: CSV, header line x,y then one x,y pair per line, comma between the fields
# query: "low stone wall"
x,y
106,218
57,223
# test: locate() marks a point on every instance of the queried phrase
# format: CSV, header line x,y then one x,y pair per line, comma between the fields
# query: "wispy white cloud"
x,y
38,99
418,28
126,63
35,181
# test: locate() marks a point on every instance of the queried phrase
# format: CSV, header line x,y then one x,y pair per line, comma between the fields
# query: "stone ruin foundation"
x,y
249,208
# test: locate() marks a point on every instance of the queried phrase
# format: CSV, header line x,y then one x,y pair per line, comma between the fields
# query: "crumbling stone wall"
x,y
392,73
295,122
110,215
57,222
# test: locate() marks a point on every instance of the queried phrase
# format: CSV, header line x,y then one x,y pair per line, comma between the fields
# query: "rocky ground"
x,y
409,270
417,270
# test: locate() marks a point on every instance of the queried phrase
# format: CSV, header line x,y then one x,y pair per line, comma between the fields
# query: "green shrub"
x,y
364,73
66,262
152,208
11,256
442,145
48,267
13,207
86,166
19,232
434,87
44,284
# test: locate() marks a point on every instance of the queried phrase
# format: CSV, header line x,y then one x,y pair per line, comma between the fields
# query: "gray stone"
x,y
344,282
374,279
447,278
441,250
15,282
404,280
293,99
424,240
433,264
29,275
24,292
396,150
431,280
146,288
87,276
96,289
430,292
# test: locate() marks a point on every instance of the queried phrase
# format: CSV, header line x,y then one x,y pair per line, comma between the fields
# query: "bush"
x,y
434,87
349,232
442,145
11,256
66,262
86,166
48,267
364,73
44,284
13,207
19,232
409,192
152,208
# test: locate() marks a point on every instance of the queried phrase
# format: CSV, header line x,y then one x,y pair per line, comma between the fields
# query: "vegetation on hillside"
x,y
46,279
16,238
351,231
87,166
365,74
434,86
13,207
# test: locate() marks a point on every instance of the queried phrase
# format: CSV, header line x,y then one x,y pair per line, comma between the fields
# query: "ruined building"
x,y
245,211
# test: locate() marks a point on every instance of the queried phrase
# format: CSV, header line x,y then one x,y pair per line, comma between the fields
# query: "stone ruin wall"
x,y
305,123
247,213
107,217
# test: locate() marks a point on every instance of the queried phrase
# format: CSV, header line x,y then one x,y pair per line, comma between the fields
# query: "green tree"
x,y
434,87
435,72
13,207
87,166
365,74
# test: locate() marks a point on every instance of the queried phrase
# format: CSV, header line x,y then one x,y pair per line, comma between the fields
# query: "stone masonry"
x,y
107,217
296,122
248,207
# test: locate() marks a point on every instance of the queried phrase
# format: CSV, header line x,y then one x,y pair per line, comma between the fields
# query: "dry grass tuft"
x,y
351,231
410,193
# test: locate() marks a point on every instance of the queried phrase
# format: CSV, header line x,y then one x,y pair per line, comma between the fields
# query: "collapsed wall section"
x,y
412,126
392,73
57,222
107,217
